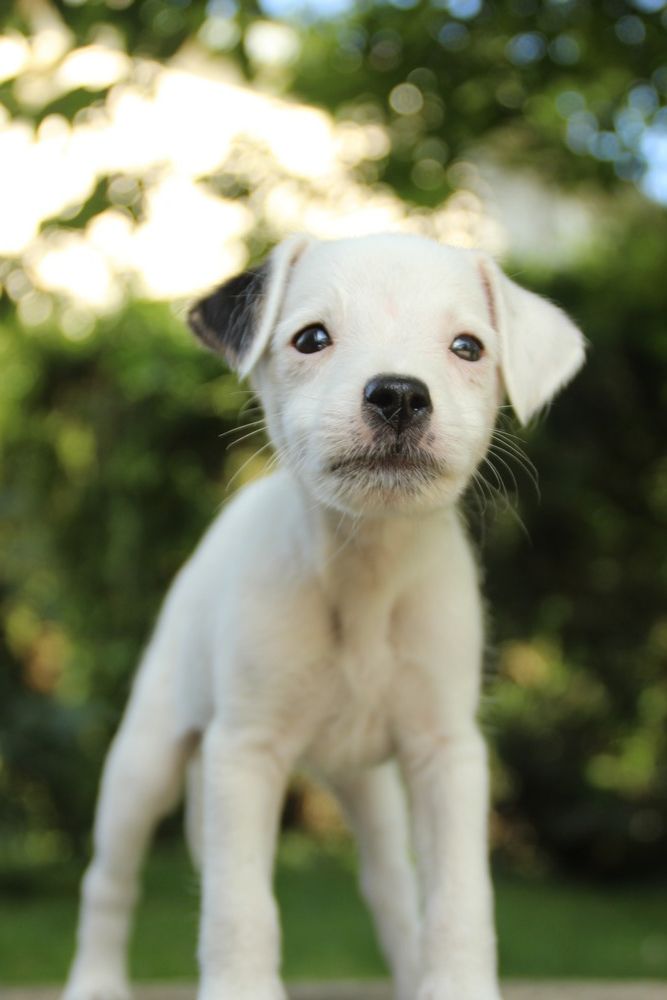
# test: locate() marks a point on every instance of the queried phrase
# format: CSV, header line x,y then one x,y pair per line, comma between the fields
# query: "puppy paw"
x,y
444,987
271,989
96,987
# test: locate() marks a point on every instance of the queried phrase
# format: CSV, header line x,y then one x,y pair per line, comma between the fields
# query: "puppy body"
x,y
331,617
363,596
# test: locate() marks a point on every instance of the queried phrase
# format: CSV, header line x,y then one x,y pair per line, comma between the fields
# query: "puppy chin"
x,y
385,490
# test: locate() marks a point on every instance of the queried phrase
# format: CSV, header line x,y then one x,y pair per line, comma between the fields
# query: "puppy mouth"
x,y
399,463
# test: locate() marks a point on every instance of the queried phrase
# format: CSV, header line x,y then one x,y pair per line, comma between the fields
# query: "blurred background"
x,y
150,148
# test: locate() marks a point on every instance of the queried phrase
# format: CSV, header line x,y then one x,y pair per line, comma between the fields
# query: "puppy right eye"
x,y
311,339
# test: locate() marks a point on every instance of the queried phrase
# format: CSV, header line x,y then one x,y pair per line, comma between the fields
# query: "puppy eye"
x,y
311,339
467,347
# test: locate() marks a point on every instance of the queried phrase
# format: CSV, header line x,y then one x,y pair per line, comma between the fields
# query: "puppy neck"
x,y
342,543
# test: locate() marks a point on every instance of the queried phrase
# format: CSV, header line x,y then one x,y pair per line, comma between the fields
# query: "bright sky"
x,y
319,8
185,197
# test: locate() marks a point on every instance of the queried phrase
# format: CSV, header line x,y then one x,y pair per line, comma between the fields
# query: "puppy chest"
x,y
356,725
351,736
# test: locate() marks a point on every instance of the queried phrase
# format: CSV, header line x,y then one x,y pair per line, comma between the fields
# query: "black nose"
x,y
400,401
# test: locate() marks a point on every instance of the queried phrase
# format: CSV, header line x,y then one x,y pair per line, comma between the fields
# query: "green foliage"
x,y
581,716
110,467
568,87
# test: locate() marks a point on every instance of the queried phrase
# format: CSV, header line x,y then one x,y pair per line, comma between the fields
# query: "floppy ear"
x,y
236,319
540,347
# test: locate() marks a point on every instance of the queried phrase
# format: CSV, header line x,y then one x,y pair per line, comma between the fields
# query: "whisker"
x,y
242,427
244,437
247,462
514,452
494,453
510,507
251,403
479,493
500,485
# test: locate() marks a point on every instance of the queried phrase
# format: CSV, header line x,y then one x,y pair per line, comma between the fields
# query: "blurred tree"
x,y
577,89
580,719
110,470
570,87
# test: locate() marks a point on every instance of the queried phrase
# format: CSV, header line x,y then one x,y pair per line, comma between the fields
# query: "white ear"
x,y
237,319
540,347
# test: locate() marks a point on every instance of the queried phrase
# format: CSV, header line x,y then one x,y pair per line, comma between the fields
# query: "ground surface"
x,y
548,929
379,991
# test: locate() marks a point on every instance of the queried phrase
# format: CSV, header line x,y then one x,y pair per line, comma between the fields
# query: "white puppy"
x,y
331,617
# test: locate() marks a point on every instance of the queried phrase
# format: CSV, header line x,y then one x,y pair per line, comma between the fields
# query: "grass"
x,y
546,929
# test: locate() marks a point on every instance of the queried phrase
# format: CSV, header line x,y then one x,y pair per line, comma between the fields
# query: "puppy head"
x,y
381,362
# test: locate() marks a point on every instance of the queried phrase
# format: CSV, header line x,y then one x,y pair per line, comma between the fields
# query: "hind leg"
x,y
142,781
375,805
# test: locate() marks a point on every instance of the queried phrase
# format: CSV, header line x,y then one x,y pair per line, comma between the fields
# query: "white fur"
x,y
334,621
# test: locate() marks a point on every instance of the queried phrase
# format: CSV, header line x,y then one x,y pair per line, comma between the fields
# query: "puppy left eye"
x,y
467,347
311,339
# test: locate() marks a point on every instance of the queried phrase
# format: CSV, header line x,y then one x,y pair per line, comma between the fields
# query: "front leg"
x,y
244,784
447,777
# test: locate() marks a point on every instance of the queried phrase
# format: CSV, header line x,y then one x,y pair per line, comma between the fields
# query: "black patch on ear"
x,y
226,319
